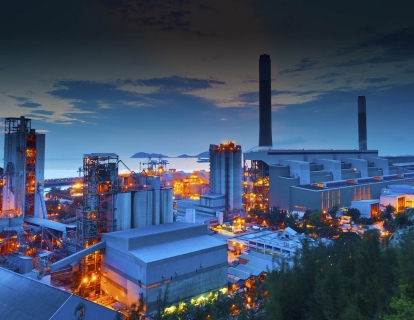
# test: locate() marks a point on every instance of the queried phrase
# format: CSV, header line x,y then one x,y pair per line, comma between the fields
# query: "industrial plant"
x,y
124,246
75,256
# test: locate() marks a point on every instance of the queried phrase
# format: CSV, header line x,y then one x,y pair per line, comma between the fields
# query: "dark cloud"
x,y
409,70
329,75
253,97
20,99
47,17
397,46
98,97
376,80
303,65
45,112
175,83
29,105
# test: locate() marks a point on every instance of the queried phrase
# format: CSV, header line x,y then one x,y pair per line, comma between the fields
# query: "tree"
x,y
354,213
402,307
316,219
334,211
276,215
387,213
401,219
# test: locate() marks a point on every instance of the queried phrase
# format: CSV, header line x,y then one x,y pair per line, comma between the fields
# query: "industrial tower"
x,y
226,174
96,217
23,176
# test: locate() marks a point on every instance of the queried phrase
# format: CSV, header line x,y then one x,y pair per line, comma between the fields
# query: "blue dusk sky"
x,y
172,77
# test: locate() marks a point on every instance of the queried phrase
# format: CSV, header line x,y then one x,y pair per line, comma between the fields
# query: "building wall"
x,y
123,210
333,166
91,311
226,173
152,207
279,186
320,176
324,199
185,276
189,286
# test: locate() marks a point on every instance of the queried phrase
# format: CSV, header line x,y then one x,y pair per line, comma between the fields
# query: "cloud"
x,y
376,80
44,112
329,75
108,99
303,65
20,99
176,83
29,105
397,46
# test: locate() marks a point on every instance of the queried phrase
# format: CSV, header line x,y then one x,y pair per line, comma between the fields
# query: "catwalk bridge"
x,y
60,182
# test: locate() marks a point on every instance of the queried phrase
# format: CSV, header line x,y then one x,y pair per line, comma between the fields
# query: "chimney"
x,y
362,123
265,106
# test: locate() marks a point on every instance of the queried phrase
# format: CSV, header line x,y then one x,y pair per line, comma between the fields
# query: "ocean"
x,y
69,167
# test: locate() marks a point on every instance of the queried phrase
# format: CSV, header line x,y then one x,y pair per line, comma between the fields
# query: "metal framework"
x,y
100,185
256,185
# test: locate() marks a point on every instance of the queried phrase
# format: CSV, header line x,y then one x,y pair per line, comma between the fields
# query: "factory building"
x,y
319,179
226,173
299,180
177,260
150,206
22,179
25,298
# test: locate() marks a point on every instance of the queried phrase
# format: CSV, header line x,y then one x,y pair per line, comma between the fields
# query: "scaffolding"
x,y
96,217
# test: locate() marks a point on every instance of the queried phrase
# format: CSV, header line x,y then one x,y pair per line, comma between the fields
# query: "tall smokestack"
x,y
265,107
362,123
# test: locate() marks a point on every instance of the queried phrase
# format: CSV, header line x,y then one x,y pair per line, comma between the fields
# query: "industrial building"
x,y
319,179
300,180
24,298
225,183
175,259
23,175
70,252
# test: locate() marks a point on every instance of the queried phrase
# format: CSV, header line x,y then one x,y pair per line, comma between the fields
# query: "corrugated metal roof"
x,y
239,273
49,224
23,298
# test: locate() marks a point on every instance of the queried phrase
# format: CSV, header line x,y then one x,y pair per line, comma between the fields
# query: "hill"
x,y
148,155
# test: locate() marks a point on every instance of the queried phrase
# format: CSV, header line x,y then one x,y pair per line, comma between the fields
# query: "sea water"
x,y
69,167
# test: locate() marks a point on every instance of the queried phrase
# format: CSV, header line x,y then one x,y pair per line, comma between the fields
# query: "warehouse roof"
x,y
24,298
175,249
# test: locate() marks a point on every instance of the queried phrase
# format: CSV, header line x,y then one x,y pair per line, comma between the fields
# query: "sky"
x,y
173,77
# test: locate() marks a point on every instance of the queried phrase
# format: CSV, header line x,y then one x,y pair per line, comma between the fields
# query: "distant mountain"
x,y
204,154
149,155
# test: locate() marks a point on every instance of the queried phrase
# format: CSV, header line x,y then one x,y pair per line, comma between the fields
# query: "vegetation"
x,y
352,278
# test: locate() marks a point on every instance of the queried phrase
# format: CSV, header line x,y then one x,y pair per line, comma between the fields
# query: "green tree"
x,y
387,213
354,213
316,219
401,219
334,211
402,307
